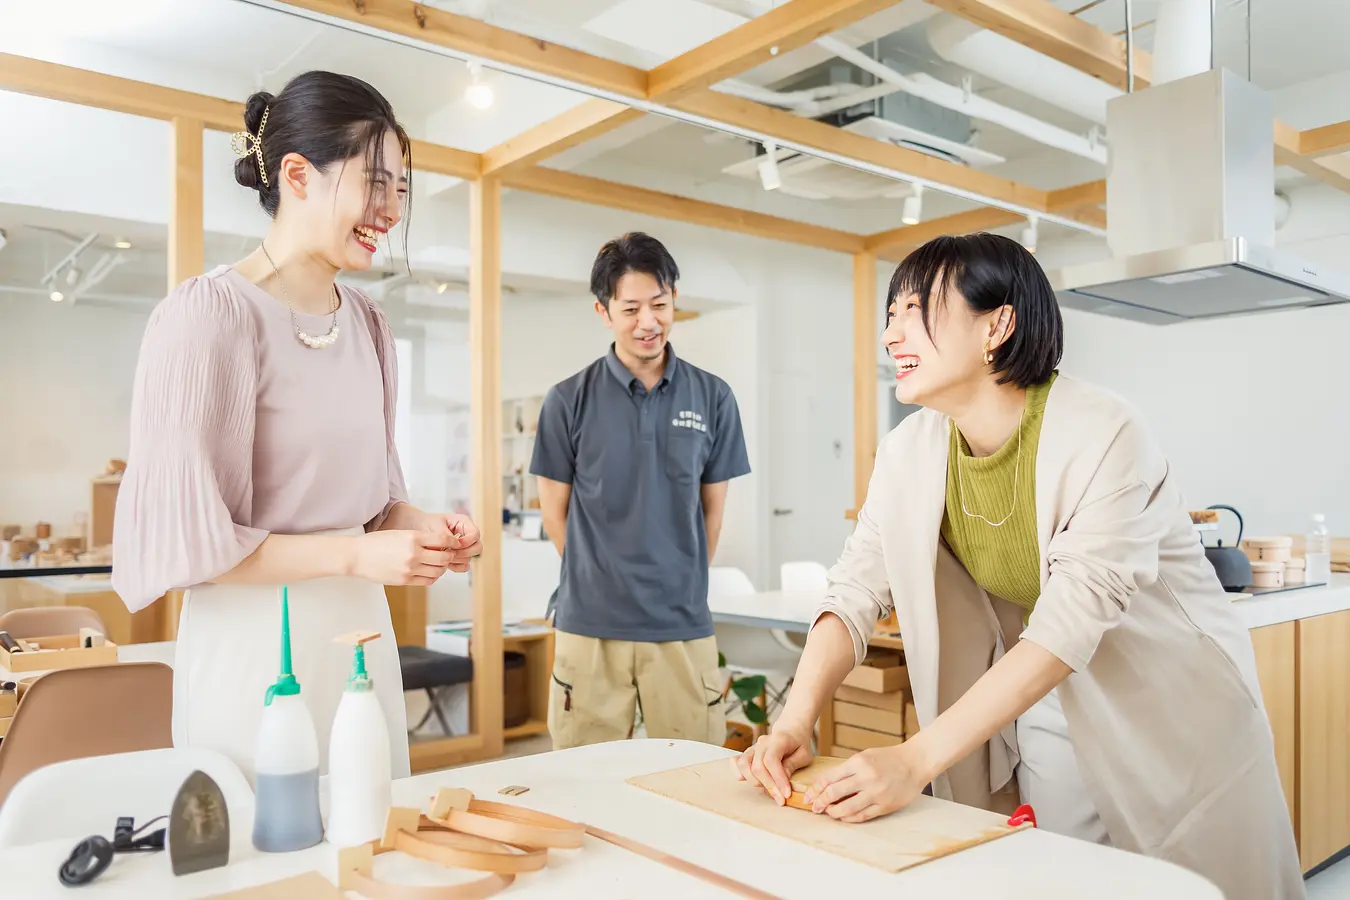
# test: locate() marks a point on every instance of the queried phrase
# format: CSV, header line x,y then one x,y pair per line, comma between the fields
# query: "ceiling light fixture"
x,y
442,287
1030,233
769,176
72,276
479,92
912,211
57,296
122,244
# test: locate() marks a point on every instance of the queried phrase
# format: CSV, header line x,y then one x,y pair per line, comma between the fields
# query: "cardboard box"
x,y
892,702
867,717
881,681
61,651
911,720
862,739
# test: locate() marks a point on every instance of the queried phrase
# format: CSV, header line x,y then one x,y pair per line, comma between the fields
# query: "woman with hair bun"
x,y
262,435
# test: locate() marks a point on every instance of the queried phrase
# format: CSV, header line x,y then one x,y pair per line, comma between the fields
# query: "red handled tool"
x,y
1022,815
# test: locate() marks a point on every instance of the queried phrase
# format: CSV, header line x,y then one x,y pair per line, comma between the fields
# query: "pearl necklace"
x,y
310,341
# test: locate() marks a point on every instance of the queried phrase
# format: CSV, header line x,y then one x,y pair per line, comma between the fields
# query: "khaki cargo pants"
x,y
598,685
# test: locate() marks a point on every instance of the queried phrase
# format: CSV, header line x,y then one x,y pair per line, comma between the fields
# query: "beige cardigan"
x,y
1163,705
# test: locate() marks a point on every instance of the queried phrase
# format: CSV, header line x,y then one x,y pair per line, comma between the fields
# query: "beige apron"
x,y
229,650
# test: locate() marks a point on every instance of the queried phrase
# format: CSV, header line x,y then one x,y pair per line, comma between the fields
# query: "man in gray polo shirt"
x,y
633,455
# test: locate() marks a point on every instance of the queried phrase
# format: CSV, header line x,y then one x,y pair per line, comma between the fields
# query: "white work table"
x,y
588,785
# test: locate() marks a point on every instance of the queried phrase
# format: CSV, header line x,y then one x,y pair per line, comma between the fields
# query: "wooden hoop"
x,y
469,851
382,890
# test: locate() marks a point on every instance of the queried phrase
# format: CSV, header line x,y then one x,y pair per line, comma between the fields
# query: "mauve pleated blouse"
x,y
238,430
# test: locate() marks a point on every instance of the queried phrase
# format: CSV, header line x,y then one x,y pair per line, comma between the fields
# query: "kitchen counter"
x,y
1291,605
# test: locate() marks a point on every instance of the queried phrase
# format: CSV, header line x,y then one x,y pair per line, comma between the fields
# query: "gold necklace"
x,y
1017,469
310,341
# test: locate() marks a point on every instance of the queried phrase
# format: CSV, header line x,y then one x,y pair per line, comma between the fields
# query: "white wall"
x,y
65,394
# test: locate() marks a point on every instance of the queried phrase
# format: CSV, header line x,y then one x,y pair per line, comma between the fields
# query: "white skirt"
x,y
229,650
1048,777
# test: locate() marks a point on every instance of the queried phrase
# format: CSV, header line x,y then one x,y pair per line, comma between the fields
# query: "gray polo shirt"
x,y
635,558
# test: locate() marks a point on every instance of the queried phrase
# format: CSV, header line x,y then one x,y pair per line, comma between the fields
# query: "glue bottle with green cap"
x,y
286,764
359,775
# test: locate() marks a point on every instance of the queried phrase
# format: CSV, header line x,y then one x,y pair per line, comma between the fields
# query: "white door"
x,y
809,473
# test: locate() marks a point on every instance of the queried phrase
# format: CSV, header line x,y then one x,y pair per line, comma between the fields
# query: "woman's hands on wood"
x,y
773,758
869,784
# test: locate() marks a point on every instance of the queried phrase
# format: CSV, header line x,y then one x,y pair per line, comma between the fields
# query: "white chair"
x,y
750,650
805,575
82,797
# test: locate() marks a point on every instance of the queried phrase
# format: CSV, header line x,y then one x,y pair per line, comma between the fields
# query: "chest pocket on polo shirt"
x,y
687,451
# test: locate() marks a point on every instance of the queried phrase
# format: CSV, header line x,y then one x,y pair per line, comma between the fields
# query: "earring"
x,y
988,354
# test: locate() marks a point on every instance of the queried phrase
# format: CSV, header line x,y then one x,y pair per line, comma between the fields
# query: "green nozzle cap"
x,y
285,685
359,680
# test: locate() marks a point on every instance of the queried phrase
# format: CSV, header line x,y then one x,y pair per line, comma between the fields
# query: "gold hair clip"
x,y
244,144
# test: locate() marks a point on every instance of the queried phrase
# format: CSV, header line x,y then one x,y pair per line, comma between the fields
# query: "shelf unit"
x,y
520,418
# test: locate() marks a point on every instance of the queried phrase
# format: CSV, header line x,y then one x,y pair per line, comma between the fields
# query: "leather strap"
x,y
674,862
468,851
514,825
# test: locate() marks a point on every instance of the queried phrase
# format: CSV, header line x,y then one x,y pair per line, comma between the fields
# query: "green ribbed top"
x,y
1005,560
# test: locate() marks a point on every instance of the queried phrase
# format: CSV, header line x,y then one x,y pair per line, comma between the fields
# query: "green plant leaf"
x,y
721,660
755,713
748,688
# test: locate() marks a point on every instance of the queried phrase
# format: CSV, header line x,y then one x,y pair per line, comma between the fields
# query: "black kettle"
x,y
1230,563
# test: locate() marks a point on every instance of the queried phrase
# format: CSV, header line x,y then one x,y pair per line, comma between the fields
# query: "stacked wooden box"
x,y
872,708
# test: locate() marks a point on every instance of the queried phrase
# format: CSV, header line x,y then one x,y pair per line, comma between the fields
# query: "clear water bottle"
x,y
1317,552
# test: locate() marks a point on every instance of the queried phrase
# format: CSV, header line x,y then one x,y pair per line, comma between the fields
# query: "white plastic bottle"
x,y
359,775
286,762
1317,552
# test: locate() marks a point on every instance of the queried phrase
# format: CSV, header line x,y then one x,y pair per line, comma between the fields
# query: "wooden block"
x,y
892,702
91,637
911,720
869,718
359,859
863,739
883,681
447,799
8,703
401,818
4,725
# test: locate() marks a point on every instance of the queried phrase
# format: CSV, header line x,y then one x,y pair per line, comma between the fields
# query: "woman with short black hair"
x,y
262,435
1068,644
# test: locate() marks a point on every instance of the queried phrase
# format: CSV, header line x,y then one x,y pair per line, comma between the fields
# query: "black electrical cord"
x,y
93,855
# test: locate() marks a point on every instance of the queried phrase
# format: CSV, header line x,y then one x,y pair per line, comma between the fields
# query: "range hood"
x,y
1190,193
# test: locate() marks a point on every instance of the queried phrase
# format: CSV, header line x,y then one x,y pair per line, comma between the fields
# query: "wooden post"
x,y
187,237
865,339
485,380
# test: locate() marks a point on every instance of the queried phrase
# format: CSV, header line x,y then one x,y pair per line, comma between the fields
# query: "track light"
x,y
479,92
72,276
57,296
769,176
1029,233
912,211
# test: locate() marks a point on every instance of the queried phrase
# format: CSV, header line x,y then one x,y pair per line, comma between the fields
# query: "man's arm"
x,y
714,502
553,499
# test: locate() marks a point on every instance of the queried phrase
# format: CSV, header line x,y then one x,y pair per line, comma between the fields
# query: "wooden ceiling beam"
x,y
1328,140
577,125
598,192
476,38
1058,34
471,37
782,29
